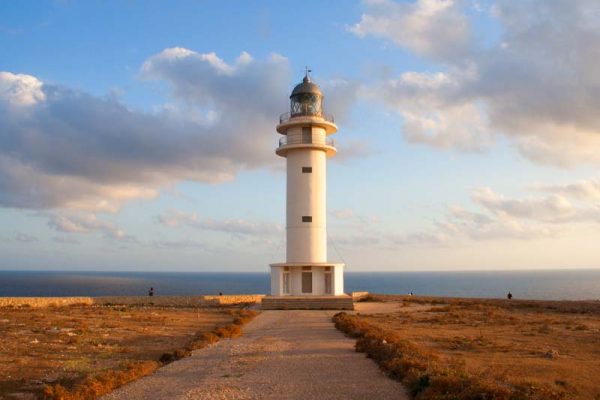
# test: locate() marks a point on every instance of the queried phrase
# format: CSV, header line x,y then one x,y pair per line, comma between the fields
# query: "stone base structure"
x,y
343,302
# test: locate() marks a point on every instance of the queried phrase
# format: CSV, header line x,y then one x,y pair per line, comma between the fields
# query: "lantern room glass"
x,y
306,104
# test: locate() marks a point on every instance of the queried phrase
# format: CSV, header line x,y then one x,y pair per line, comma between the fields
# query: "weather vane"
x,y
307,70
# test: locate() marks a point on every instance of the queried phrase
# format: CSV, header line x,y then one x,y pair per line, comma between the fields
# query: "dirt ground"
x,y
41,346
551,343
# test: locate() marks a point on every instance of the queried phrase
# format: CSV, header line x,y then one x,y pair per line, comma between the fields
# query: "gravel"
x,y
282,355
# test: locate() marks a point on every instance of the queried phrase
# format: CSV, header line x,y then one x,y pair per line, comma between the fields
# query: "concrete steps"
x,y
307,303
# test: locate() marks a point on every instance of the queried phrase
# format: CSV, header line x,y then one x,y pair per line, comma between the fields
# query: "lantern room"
x,y
306,99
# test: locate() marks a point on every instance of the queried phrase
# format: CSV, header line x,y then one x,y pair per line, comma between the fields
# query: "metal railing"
x,y
287,116
306,139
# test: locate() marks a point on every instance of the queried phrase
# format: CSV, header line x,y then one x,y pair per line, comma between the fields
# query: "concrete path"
x,y
282,355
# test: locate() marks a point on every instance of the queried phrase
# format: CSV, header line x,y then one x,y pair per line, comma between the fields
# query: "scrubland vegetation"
x,y
82,352
442,348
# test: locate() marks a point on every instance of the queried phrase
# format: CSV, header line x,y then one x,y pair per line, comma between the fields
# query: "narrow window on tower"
x,y
306,218
307,170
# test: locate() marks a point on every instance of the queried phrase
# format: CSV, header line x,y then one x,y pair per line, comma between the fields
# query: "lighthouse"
x,y
306,144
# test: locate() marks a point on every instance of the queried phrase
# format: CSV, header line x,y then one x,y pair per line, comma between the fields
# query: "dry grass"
x,y
81,352
426,375
485,349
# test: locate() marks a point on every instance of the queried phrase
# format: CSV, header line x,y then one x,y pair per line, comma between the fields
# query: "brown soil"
x,y
66,345
550,344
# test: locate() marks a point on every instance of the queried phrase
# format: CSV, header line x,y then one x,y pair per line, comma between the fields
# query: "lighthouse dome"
x,y
307,86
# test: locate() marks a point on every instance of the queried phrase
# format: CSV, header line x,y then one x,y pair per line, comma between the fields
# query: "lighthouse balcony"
x,y
285,117
321,142
320,119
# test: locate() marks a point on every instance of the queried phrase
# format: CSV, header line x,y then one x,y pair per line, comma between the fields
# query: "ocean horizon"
x,y
583,284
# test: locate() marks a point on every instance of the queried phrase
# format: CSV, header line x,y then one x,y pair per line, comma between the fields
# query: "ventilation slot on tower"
x,y
306,218
307,170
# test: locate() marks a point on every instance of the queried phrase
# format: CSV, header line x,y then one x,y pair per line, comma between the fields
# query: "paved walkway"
x,y
282,355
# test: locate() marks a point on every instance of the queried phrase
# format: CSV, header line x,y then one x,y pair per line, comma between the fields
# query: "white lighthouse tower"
x,y
306,145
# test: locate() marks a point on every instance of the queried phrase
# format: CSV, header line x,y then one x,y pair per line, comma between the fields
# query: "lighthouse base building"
x,y
307,286
306,279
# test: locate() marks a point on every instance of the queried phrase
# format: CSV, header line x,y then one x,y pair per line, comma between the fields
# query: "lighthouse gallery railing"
x,y
306,139
287,116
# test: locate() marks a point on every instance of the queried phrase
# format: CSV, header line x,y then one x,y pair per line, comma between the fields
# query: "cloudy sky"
x,y
141,135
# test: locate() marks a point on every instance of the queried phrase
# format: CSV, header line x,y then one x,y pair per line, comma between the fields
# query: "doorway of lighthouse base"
x,y
306,280
328,285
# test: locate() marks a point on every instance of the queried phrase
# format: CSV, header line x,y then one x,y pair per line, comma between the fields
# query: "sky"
x,y
140,135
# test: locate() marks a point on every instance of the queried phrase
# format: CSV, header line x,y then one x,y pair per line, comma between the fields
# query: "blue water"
x,y
558,285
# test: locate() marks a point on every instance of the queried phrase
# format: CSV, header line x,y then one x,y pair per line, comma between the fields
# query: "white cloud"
x,y
25,238
585,189
435,28
418,238
491,216
434,111
177,54
68,149
176,218
236,227
525,218
85,223
537,84
548,209
20,89
178,244
240,226
339,96
463,224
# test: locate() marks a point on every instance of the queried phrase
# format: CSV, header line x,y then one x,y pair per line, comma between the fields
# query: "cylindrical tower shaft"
x,y
307,202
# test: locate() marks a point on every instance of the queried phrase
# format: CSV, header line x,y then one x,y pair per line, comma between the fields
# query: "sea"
x,y
526,284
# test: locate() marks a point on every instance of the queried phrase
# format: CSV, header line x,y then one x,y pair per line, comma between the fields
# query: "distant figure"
x,y
151,292
509,295
220,293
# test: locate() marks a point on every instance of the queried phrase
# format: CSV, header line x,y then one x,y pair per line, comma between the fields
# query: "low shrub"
x,y
244,316
174,355
228,331
102,383
202,340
